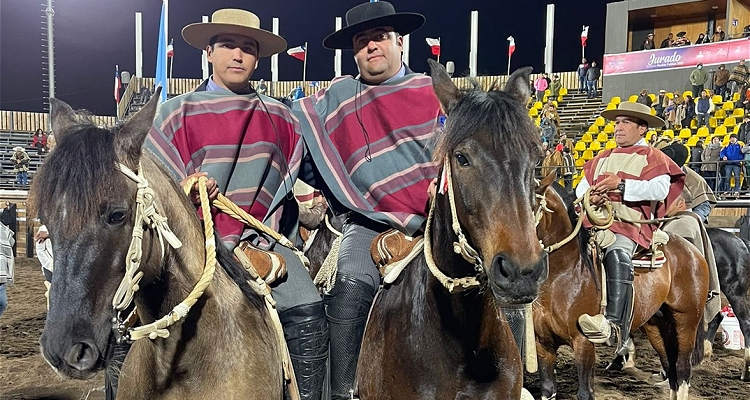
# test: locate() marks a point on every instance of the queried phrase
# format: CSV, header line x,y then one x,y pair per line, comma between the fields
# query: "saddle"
x,y
267,264
651,257
392,251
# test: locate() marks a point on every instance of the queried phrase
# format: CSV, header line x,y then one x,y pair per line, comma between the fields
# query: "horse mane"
x,y
479,109
237,273
583,235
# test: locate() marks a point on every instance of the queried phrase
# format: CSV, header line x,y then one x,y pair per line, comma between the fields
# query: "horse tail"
x,y
700,337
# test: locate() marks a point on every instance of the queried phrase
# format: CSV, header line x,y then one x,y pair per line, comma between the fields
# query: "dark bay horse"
x,y
225,345
421,341
669,302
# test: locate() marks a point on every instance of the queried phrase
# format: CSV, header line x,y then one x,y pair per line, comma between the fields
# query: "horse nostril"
x,y
541,270
82,356
504,267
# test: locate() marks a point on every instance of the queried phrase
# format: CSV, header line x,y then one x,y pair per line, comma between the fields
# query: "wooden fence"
x,y
23,121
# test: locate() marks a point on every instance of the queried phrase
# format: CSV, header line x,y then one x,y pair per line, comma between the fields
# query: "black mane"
x,y
583,235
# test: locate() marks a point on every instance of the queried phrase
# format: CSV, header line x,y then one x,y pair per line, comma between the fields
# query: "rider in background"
x,y
637,179
368,138
249,147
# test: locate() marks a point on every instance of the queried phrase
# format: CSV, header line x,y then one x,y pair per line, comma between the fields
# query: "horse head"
x,y
88,207
490,147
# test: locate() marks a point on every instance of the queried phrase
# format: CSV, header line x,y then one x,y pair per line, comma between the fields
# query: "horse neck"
x,y
553,228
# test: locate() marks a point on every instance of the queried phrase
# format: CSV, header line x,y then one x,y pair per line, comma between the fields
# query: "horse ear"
x,y
446,91
62,117
130,138
544,184
518,85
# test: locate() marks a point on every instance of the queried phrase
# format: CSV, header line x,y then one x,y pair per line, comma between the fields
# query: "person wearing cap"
x,y
721,78
368,139
20,160
555,86
250,148
698,78
636,178
648,42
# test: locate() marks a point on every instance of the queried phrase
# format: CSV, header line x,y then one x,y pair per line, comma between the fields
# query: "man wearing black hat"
x,y
368,139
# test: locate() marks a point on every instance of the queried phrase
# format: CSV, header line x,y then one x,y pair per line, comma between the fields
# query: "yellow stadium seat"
x,y
593,129
615,100
670,95
652,97
576,181
600,121
720,114
730,122
687,93
736,129
650,135
717,99
609,128
692,141
538,122
554,103
547,92
736,97
611,144
713,122
633,98
580,146
587,138
668,132
702,132
595,146
580,162
685,133
611,106
587,155
602,137
727,106
738,112
538,105
563,91
559,99
533,112
725,141
693,124
653,111
720,130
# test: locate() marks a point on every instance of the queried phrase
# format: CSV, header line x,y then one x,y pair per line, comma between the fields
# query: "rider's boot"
x,y
614,327
347,307
306,334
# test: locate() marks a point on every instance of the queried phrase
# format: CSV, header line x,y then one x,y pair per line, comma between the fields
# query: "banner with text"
x,y
677,57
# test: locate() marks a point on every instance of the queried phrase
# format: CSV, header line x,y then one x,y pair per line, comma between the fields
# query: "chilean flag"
x,y
298,52
511,45
170,49
434,45
118,84
584,35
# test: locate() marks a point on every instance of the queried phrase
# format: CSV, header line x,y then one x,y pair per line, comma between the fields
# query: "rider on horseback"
x,y
634,177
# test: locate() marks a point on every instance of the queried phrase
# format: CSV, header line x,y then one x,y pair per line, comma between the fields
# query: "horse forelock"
x,y
77,177
511,131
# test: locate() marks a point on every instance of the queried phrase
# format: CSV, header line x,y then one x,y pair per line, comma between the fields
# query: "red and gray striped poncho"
x,y
373,145
201,131
641,163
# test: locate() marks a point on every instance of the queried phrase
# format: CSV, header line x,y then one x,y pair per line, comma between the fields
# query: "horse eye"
x,y
116,217
462,159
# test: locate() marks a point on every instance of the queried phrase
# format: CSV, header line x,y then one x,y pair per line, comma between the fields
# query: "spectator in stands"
x,y
738,78
569,168
733,156
710,167
669,113
743,133
583,67
40,141
660,103
549,121
689,111
701,195
702,38
592,76
145,95
698,78
262,87
555,86
704,107
667,42
648,43
540,85
721,78
681,40
719,34
644,98
20,160
745,149
696,154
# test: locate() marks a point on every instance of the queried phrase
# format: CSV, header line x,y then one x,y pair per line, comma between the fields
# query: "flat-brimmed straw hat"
x,y
19,148
635,110
232,21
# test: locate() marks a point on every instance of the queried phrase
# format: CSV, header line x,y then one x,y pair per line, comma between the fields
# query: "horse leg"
x,y
683,334
653,333
742,311
547,358
713,327
585,357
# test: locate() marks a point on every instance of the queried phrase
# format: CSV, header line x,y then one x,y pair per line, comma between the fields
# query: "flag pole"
x,y
583,51
509,57
171,63
438,56
304,70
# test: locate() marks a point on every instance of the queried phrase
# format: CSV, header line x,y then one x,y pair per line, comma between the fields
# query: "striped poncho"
x,y
373,145
203,131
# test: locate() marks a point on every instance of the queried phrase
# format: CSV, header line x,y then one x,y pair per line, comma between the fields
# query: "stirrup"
x,y
596,328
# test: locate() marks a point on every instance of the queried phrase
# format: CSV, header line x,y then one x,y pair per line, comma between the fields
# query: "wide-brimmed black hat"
x,y
677,152
372,15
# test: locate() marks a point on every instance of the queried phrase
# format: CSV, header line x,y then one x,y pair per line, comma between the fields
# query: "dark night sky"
x,y
91,36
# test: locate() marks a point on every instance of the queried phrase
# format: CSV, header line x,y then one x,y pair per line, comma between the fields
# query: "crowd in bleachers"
x,y
21,154
681,39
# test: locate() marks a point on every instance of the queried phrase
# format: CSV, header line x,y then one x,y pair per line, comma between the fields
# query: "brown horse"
x,y
225,344
669,302
422,341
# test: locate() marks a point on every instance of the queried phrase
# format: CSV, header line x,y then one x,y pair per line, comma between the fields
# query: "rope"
x,y
233,210
461,247
326,276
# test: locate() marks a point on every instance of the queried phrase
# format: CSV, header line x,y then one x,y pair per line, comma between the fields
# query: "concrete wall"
x,y
616,32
